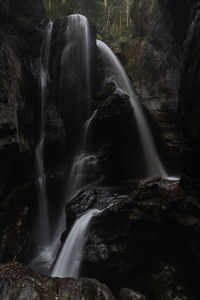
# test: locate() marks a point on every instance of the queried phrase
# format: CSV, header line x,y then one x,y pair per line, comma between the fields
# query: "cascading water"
x,y
76,67
69,260
43,222
41,233
74,88
116,73
75,63
83,163
76,59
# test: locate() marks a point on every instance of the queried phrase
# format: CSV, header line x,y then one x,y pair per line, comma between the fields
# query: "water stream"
x,y
42,226
76,62
69,260
116,73
83,163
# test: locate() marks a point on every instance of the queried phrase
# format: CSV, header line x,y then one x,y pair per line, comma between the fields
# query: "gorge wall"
x,y
189,104
20,37
152,61
162,60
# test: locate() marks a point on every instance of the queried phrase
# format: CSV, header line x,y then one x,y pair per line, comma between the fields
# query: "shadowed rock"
x,y
126,294
18,282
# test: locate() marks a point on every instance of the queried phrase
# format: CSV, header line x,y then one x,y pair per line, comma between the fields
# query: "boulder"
x,y
18,282
114,136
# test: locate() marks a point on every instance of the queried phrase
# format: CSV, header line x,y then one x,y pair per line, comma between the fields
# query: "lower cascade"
x,y
69,259
74,95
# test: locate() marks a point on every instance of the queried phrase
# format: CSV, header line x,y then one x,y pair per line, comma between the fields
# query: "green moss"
x,y
99,37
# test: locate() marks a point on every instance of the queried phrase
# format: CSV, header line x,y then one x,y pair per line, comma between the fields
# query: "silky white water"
x,y
83,163
69,260
76,63
76,59
42,226
41,233
116,73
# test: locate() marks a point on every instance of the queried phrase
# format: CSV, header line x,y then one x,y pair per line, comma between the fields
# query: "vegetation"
x,y
111,17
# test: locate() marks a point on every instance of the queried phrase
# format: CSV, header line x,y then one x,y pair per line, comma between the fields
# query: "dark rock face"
x,y
162,60
189,103
18,282
112,127
148,241
20,37
114,136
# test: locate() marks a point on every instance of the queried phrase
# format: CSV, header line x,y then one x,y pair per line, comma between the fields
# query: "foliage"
x,y
99,37
111,17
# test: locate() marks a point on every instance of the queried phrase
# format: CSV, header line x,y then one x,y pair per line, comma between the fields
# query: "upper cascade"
x,y
73,48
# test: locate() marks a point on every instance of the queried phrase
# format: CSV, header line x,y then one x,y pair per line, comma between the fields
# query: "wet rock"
x,y
106,91
126,294
98,198
20,283
110,131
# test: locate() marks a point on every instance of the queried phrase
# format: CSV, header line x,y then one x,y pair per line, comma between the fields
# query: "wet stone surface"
x,y
20,283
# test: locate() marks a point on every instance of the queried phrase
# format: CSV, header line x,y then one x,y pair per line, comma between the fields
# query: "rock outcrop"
x,y
114,135
20,37
189,99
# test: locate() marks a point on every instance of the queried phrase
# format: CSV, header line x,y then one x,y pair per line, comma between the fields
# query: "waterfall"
x,y
75,67
83,163
74,103
69,260
116,73
42,226
41,231
71,254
